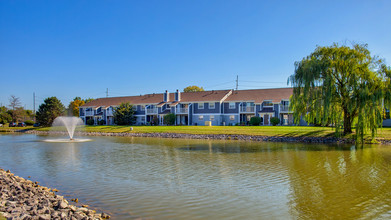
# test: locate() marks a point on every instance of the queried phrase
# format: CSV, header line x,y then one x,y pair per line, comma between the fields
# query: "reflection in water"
x,y
345,185
200,179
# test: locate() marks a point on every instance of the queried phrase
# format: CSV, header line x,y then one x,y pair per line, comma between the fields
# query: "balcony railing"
x,y
89,113
152,111
247,109
284,108
182,110
109,113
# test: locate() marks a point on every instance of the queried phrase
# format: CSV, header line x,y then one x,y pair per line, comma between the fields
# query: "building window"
x,y
142,107
232,105
212,118
212,105
232,117
200,105
143,118
201,117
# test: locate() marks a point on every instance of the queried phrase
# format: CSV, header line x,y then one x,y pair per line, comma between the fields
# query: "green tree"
x,y
29,114
88,100
49,110
342,86
193,89
169,119
5,117
124,114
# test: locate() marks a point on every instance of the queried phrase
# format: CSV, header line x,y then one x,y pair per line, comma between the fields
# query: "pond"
x,y
201,179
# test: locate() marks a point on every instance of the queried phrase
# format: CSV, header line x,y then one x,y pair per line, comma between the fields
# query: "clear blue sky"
x,y
80,48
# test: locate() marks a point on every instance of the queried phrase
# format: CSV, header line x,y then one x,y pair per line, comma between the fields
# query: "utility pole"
x,y
34,104
237,82
107,92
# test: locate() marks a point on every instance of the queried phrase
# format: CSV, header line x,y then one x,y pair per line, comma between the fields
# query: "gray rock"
x,y
85,210
23,199
63,215
44,217
105,216
62,205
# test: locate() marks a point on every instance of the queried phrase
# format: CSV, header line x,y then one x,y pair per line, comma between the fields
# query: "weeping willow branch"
x,y
343,87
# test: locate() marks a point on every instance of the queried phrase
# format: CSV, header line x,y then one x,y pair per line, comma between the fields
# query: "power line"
x,y
220,84
261,81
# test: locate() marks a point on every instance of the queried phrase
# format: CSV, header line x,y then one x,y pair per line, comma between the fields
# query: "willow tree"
x,y
341,86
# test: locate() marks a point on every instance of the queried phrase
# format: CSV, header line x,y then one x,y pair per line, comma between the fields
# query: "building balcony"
x,y
284,108
89,113
182,110
249,109
151,111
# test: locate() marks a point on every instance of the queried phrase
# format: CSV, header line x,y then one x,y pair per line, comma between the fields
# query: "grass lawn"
x,y
286,131
229,130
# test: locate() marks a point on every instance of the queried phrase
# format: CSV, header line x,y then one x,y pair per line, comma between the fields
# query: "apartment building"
x,y
219,107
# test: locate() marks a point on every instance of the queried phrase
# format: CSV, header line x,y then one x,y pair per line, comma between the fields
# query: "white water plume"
x,y
70,123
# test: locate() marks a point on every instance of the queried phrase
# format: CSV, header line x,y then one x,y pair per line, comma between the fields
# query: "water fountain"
x,y
70,124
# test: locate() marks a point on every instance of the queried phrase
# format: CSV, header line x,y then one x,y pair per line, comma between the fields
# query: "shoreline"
x,y
287,139
24,199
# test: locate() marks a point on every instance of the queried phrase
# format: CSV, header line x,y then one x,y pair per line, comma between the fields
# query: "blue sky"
x,y
80,48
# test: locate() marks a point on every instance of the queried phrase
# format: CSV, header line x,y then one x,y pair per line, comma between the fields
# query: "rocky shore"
x,y
24,199
321,140
208,136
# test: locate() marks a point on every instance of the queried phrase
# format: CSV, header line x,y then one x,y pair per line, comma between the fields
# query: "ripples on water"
x,y
199,179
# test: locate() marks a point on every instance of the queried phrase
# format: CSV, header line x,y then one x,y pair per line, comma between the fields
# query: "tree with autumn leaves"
x,y
74,105
193,89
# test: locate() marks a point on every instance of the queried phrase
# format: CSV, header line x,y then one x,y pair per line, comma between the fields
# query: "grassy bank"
x,y
279,131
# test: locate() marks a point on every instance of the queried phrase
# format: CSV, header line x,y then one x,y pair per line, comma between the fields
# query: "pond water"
x,y
201,179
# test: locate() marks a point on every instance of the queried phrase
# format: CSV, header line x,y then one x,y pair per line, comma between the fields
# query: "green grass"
x,y
282,131
6,128
229,130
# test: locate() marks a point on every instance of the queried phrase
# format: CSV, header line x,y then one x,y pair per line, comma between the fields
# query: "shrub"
x,y
101,122
275,121
169,119
29,122
255,120
90,121
155,121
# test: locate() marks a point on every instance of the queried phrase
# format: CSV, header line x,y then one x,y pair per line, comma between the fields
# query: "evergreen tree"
x,y
124,114
49,110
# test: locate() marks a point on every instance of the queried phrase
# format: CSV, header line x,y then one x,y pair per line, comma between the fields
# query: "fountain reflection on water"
x,y
70,124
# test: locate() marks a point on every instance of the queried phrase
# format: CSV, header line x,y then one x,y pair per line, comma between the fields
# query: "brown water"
x,y
200,179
